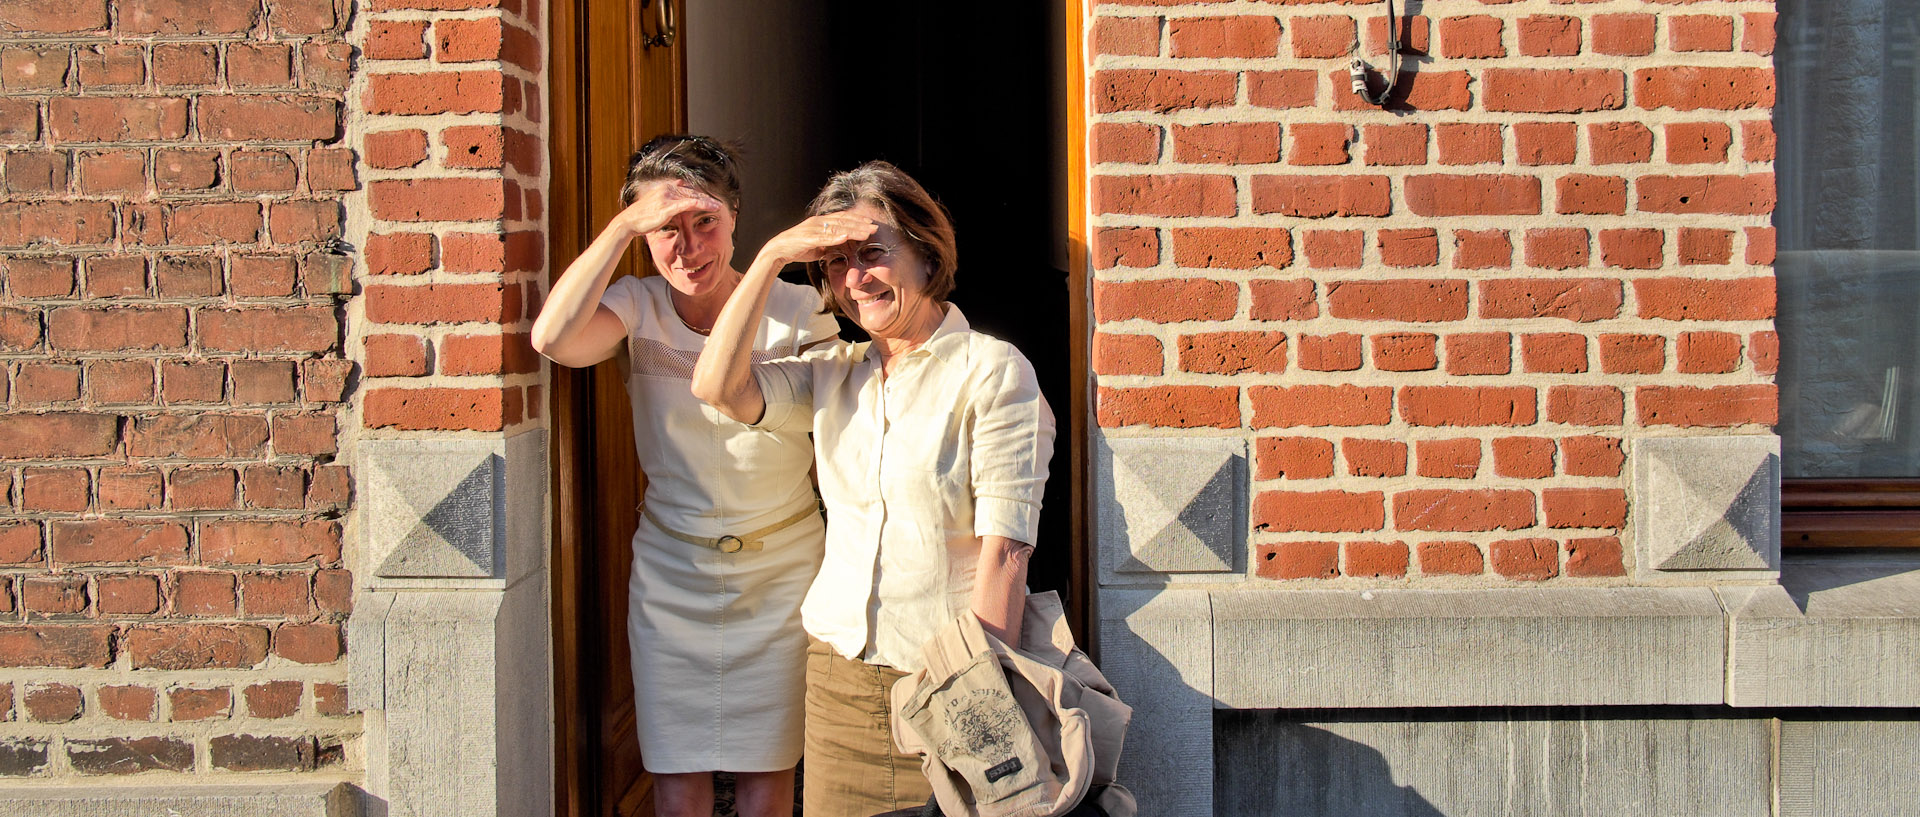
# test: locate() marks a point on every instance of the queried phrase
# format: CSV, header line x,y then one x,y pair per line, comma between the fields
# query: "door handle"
x,y
664,30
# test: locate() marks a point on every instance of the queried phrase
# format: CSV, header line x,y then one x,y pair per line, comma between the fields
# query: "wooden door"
x,y
618,79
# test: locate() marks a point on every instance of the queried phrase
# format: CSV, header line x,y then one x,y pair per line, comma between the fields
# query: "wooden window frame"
x,y
1825,514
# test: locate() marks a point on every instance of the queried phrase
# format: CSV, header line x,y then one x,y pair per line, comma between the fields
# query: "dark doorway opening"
x,y
966,97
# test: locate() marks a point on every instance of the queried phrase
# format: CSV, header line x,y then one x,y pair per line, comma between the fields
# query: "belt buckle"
x,y
721,544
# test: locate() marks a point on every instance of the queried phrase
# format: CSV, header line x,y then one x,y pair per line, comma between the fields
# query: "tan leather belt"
x,y
750,540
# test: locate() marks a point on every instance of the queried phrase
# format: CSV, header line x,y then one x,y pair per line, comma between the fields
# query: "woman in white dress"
x,y
730,535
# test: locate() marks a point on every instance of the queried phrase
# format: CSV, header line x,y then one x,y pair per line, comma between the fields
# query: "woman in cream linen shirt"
x,y
931,443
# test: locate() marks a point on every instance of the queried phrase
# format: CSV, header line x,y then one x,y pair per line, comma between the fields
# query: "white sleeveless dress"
x,y
719,658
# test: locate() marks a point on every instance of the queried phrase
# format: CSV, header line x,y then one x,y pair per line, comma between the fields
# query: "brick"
x,y
273,699
399,253
128,702
1166,301
1763,348
57,434
199,703
1471,37
1482,249
1125,142
1287,300
1623,35
292,222
37,173
308,643
397,40
460,40
1468,405
396,356
38,277
1178,194
331,169
396,149
1691,88
325,381
126,756
192,381
437,199
115,541
1161,91
1709,407
1586,405
1298,560
1314,144
269,542
1374,458
1598,557
1170,407
1319,511
1447,459
1557,248
51,703
182,17
1479,353
129,488
442,409
33,17
116,119
1126,36
1333,249
330,699
259,65
325,66
1707,352
63,646
1556,352
1126,247
305,435
1548,35
1632,354
128,594
1576,299
19,331
1406,352
195,276
1323,37
1468,143
1619,143
1450,559
276,594
1238,36
1757,32
474,146
1232,247
1703,245
1551,90
1698,142
1234,352
508,353
1415,34
1411,299
279,329
1419,247
196,646
1591,456
1293,458
1761,245
112,66
55,595
1633,248
113,171
258,171
54,489
1463,510
34,69
46,383
1395,145
185,64
1329,353
440,92
60,223
1321,196
203,488
262,276
1529,560
197,436
1523,457
1705,299
1584,507
110,276
1584,194
19,120
1315,405
1282,90
262,382
1227,143
1700,32
333,589
1376,560
1473,195
255,753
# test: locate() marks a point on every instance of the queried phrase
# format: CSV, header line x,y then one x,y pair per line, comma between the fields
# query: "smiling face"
x,y
694,250
885,292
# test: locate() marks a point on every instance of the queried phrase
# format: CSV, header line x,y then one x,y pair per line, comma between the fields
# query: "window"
x,y
1848,219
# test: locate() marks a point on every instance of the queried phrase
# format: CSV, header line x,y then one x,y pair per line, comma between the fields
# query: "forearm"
x,y
724,375
1000,586
571,302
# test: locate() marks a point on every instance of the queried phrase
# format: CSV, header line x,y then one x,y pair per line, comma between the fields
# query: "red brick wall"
x,y
450,115
1441,324
171,584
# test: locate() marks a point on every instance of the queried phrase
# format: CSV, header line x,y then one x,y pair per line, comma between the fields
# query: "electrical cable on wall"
x,y
1359,67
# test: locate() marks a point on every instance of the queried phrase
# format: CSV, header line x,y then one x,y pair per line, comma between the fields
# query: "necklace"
x,y
690,327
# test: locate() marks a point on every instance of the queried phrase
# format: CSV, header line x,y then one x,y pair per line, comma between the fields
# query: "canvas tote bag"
x,y
1013,733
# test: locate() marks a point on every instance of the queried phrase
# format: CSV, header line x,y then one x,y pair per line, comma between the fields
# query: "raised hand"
x,y
659,203
809,240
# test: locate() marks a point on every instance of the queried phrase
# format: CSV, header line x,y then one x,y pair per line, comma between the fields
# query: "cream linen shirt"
x,y
914,469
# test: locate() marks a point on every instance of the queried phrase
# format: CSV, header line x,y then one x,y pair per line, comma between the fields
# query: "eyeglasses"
x,y
866,256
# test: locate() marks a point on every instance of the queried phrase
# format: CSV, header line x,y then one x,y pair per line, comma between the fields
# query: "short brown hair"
x,y
697,160
912,210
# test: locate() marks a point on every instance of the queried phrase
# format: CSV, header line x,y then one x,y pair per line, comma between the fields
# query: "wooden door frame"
x,y
573,221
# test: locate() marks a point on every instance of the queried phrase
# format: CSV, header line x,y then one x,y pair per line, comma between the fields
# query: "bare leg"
x,y
764,794
683,795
